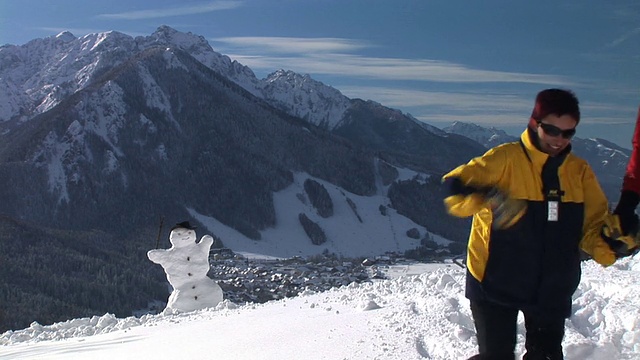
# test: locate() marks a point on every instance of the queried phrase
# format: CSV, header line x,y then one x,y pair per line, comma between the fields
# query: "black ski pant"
x,y
496,329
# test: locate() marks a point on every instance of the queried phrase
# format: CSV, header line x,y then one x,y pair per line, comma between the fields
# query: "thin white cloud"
x,y
330,56
481,115
392,69
607,113
293,44
608,120
397,97
499,119
338,57
624,37
483,108
174,11
486,108
496,120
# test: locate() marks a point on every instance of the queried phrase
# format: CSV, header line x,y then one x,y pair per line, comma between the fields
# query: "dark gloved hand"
x,y
628,224
506,210
626,211
622,244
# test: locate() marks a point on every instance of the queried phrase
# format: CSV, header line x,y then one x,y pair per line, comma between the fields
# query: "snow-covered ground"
x,y
421,313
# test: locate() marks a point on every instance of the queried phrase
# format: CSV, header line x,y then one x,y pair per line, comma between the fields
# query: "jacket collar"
x,y
529,138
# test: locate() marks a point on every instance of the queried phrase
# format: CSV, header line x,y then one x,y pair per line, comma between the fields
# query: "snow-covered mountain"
x,y
41,73
104,135
64,93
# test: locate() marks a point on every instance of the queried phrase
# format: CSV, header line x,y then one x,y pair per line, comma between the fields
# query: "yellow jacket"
x,y
535,263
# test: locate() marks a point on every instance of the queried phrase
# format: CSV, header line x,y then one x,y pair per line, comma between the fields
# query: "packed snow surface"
x,y
419,313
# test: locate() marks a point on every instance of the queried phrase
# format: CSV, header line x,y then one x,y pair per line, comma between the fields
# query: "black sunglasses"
x,y
554,131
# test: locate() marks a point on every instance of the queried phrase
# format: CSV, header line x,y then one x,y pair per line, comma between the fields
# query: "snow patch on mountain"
x,y
161,150
11,100
172,61
346,234
108,119
301,96
65,36
608,150
151,127
111,162
51,156
61,156
153,94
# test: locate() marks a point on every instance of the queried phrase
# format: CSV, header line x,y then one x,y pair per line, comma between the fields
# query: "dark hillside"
x,y
52,275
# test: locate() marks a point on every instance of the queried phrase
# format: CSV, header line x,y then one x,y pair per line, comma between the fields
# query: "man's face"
x,y
555,133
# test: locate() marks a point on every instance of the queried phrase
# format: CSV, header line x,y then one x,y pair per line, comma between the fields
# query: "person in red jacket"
x,y
630,194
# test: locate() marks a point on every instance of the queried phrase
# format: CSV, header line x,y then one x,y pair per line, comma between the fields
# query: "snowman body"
x,y
186,265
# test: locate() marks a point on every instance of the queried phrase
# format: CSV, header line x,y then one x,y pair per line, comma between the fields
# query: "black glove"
x,y
621,244
626,211
506,210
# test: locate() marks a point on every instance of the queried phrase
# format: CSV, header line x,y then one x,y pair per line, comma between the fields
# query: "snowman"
x,y
186,264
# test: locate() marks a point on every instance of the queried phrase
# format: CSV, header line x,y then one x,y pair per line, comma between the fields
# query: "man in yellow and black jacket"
x,y
535,205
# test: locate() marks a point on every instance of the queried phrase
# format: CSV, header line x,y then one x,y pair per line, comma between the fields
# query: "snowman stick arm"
x,y
159,232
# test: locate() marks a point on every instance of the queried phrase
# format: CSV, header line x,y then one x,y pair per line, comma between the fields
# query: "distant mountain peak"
x,y
65,36
166,35
289,76
488,137
471,126
302,96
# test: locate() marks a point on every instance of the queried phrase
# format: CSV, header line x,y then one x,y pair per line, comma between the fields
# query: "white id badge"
x,y
553,211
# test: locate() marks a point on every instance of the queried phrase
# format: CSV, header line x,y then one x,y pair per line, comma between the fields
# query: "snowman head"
x,y
183,234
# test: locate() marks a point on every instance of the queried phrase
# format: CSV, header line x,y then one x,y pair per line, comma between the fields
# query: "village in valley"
x,y
246,280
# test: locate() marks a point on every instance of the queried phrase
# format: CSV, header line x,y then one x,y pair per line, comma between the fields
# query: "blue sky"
x,y
441,61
